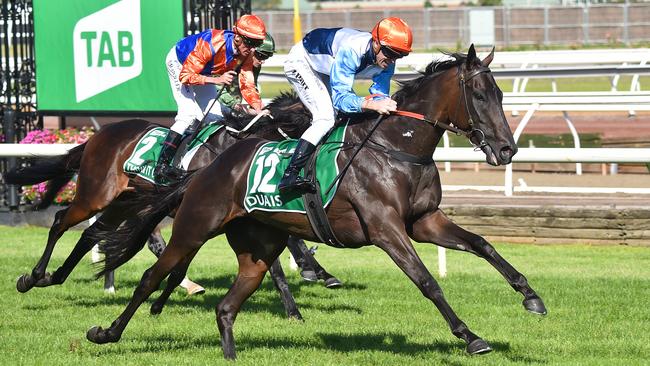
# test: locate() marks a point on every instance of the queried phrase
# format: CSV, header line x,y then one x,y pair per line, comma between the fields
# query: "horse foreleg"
x,y
437,228
150,282
175,279
63,220
280,283
108,221
156,244
397,245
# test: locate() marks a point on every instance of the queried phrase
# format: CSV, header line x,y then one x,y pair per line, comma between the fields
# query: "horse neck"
x,y
411,135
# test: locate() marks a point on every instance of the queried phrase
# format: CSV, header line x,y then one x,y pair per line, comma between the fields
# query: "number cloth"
x,y
145,155
270,162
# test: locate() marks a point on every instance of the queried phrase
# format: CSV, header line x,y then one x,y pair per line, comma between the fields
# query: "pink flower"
x,y
71,135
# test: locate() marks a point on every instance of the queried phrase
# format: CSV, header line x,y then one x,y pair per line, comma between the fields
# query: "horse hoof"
x,y
24,283
195,290
156,309
333,282
98,335
295,316
478,346
535,305
309,275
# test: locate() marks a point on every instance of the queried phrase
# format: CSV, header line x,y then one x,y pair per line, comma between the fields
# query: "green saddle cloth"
x,y
144,157
269,164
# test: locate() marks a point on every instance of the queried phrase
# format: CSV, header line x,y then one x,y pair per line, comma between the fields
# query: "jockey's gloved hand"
x,y
242,108
226,78
381,106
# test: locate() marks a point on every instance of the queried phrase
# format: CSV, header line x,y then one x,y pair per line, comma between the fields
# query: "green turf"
x,y
596,296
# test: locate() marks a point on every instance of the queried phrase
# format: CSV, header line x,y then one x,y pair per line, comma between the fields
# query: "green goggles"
x,y
262,55
251,42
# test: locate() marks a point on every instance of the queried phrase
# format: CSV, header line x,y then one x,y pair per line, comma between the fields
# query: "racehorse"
x,y
102,184
385,199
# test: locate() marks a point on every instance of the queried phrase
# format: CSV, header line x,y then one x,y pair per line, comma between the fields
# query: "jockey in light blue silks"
x,y
322,69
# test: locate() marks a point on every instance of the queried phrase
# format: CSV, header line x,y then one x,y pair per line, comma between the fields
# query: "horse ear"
x,y
471,55
488,59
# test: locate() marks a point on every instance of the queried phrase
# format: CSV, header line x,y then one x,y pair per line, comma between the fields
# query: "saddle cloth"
x,y
269,164
144,157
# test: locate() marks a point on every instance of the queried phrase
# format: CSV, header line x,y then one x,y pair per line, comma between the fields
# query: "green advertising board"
x,y
105,55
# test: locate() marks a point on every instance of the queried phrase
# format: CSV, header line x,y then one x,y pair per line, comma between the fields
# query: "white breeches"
x,y
313,93
192,100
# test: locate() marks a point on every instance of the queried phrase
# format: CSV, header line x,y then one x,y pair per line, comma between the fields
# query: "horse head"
x,y
482,113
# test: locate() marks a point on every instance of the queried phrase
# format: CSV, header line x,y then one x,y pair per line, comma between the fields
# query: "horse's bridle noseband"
x,y
473,130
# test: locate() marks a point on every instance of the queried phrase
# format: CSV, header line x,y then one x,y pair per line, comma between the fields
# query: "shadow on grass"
x,y
379,342
265,300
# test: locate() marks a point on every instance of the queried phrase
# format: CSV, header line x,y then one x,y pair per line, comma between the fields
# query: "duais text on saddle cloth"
x,y
270,162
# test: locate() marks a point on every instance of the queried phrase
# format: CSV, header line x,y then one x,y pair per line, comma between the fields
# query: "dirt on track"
x,y
612,126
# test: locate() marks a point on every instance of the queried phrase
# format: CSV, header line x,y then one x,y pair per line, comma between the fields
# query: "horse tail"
x,y
148,208
59,170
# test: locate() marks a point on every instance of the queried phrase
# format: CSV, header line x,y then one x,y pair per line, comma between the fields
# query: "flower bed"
x,y
33,194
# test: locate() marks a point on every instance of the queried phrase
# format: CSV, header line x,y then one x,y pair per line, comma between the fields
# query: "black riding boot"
x,y
170,145
291,181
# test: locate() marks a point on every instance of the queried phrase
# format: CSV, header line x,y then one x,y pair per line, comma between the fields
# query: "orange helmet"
x,y
393,33
250,26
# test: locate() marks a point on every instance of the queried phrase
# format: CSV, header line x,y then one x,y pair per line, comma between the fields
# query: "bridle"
x,y
474,131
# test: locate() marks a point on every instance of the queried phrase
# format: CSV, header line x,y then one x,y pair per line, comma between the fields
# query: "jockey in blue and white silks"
x,y
322,69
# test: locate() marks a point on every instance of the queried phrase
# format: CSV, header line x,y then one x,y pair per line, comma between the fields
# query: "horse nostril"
x,y
506,153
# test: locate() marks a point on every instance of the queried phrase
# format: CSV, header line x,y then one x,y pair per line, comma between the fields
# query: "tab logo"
x,y
107,48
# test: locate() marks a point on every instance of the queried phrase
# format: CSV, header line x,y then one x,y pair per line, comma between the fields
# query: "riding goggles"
x,y
262,56
252,42
391,53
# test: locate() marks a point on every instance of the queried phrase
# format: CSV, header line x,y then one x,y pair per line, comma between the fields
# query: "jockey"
x,y
322,69
231,98
192,65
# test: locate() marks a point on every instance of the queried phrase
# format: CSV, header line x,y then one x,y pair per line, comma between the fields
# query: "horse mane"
x,y
435,68
287,113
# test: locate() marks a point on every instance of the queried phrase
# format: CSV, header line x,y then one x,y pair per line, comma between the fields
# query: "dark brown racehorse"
x,y
102,184
383,200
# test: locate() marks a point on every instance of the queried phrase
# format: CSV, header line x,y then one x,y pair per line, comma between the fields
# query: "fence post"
x,y
9,120
546,25
585,23
427,28
626,34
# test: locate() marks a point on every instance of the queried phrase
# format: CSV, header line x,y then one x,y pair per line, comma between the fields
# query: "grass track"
x,y
597,299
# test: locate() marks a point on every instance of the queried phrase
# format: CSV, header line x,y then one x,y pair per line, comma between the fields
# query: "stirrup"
x,y
168,173
298,186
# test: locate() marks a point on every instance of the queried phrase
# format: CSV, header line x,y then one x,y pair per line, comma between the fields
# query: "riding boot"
x,y
169,147
291,181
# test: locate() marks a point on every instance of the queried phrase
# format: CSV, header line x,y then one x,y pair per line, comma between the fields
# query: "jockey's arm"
x,y
381,81
247,85
381,86
190,73
341,80
194,64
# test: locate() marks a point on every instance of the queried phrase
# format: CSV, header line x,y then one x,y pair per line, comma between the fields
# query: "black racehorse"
x,y
102,184
384,200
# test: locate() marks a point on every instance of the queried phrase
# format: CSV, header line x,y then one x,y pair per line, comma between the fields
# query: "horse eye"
x,y
478,96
